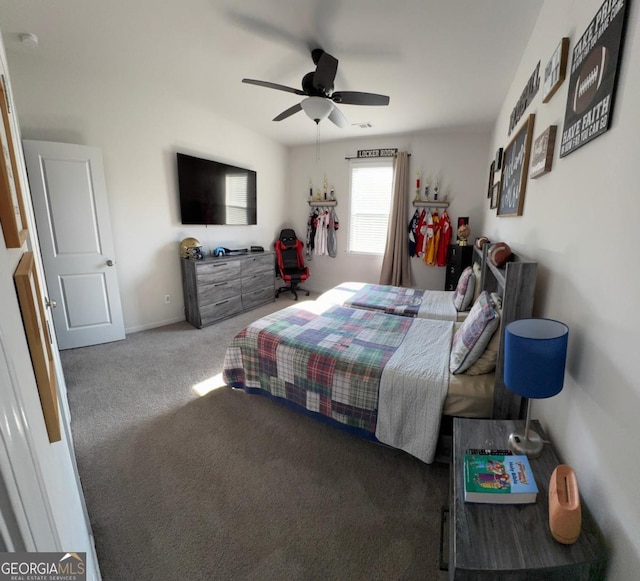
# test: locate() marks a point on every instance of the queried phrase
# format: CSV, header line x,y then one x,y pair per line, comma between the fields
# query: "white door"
x,y
72,215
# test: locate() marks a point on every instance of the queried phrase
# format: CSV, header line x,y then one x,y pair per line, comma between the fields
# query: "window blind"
x,y
371,193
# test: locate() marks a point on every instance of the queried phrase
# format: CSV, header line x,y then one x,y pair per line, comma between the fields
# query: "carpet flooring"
x,y
226,485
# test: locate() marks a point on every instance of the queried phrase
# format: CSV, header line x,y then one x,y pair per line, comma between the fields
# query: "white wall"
x,y
456,156
579,222
139,129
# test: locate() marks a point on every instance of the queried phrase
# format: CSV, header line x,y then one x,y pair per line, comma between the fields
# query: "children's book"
x,y
498,479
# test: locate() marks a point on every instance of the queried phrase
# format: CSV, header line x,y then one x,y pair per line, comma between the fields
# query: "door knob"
x,y
110,262
51,304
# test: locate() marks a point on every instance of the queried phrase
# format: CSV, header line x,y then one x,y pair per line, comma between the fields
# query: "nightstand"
x,y
492,541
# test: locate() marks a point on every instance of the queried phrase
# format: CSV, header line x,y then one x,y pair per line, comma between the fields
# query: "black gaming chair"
x,y
290,261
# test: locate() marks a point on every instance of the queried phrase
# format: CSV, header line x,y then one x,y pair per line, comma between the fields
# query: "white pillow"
x,y
463,296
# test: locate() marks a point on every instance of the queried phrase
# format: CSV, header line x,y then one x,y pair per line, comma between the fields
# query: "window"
x,y
371,192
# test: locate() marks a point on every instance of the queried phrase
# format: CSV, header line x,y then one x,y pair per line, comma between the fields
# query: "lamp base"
x,y
531,446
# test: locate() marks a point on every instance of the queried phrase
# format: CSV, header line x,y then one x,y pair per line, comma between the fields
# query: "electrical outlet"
x,y
167,299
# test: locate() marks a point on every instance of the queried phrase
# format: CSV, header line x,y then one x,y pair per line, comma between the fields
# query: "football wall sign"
x,y
592,84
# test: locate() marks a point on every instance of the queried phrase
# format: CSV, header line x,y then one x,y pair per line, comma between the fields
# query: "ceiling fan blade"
x,y
290,111
338,118
357,98
325,73
273,86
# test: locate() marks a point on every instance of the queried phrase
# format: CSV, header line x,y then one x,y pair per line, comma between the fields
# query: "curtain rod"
x,y
380,157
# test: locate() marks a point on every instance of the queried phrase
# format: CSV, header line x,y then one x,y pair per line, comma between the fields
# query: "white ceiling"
x,y
444,63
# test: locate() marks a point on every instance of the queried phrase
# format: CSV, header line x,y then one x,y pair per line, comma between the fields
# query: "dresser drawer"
x,y
215,292
258,297
257,281
460,255
215,271
258,263
212,313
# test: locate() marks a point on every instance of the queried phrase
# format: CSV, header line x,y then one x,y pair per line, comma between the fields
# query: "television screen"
x,y
215,193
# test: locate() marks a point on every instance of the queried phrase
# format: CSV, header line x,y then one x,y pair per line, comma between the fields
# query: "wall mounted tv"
x,y
215,193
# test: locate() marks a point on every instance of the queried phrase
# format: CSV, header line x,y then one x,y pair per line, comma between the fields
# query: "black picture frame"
x,y
516,170
491,175
498,159
593,77
495,195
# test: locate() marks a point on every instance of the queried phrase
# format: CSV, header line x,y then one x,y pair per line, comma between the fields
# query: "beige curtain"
x,y
395,264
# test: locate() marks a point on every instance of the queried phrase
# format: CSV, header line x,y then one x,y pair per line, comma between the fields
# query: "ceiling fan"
x,y
320,99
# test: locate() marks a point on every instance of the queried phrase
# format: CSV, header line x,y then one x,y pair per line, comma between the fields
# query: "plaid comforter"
x,y
394,300
326,358
387,299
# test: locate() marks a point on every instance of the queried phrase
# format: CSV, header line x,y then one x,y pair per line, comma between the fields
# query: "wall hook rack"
x,y
428,204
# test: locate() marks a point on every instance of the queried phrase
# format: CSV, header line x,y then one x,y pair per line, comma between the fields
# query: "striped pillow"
x,y
474,334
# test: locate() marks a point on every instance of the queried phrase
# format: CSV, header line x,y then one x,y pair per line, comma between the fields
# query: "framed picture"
x,y
542,152
592,82
555,71
12,211
516,170
491,174
36,328
498,160
495,195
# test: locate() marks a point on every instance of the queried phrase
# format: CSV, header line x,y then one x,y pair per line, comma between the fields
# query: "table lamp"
x,y
535,352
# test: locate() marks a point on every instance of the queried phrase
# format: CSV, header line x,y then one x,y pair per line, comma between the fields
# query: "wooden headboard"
x,y
515,282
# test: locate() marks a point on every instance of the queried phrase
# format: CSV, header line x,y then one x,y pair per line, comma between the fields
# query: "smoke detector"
x,y
29,40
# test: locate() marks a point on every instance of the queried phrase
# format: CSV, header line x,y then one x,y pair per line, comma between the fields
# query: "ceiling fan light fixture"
x,y
317,108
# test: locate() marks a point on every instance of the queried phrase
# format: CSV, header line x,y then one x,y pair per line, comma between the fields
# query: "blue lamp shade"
x,y
534,357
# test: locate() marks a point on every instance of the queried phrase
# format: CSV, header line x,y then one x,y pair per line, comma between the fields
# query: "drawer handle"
x,y
220,264
221,303
220,284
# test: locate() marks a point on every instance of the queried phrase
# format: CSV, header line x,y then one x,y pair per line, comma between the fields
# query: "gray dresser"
x,y
217,288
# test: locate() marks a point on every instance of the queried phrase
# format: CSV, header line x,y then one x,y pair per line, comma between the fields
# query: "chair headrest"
x,y
288,238
287,233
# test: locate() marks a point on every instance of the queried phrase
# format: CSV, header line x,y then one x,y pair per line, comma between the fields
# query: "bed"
x,y
382,376
393,300
413,302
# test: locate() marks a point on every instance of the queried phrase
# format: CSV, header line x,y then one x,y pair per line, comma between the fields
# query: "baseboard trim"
x,y
138,328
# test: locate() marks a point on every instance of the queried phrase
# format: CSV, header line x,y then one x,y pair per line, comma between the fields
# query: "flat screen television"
x,y
215,193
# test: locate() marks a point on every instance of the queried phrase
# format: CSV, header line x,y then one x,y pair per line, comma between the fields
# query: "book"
x,y
498,479
488,452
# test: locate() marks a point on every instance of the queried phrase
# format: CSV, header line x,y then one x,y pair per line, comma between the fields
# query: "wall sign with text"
x,y
542,154
592,84
528,93
364,153
515,170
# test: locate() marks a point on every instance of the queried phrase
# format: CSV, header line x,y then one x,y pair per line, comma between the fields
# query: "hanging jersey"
x,y
413,224
445,238
421,231
432,243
